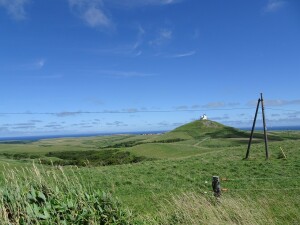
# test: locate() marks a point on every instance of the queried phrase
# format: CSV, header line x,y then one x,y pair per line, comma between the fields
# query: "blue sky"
x,y
79,66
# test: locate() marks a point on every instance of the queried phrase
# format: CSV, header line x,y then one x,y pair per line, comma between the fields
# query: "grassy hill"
x,y
194,138
166,178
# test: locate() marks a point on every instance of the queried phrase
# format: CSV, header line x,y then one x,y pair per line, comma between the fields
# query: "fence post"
x,y
216,186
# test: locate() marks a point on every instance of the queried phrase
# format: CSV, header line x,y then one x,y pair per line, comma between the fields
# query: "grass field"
x,y
166,179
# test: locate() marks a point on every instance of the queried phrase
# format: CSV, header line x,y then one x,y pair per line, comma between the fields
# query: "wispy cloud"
x,y
163,36
132,49
280,102
274,5
65,114
95,12
94,100
15,8
210,105
139,41
45,77
124,74
39,64
130,110
181,55
181,107
213,105
276,102
33,65
117,124
139,3
220,118
91,11
31,124
53,126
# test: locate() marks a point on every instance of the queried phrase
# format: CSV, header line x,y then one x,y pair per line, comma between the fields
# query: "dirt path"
x,y
205,139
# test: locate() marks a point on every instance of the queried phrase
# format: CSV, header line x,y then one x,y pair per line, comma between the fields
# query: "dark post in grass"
x,y
216,186
260,100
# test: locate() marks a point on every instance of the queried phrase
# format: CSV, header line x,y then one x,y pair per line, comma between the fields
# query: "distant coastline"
x,y
42,137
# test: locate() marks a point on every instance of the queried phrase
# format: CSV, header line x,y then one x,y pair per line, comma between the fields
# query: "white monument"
x,y
204,117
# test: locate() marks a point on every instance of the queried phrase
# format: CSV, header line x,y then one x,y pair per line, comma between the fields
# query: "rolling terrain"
x,y
166,178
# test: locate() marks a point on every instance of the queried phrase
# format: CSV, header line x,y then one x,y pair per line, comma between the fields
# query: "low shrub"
x,y
94,158
35,196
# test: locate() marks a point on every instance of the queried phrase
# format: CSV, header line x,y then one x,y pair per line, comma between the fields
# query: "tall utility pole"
x,y
264,123
260,100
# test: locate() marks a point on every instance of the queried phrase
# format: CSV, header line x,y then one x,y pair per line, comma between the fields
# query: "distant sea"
x,y
275,128
37,138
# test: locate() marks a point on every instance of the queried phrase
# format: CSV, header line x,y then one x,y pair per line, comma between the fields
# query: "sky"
x,y
85,66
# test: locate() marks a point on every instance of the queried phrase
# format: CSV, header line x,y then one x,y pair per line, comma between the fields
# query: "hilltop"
x,y
208,128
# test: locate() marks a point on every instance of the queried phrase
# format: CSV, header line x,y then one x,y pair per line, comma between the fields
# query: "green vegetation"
x,y
35,196
170,183
94,158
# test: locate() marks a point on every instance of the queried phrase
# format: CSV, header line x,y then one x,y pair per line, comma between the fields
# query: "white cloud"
x,y
16,8
33,65
274,5
139,41
139,3
186,54
132,49
117,124
163,36
276,102
280,102
64,114
124,74
214,105
39,64
95,17
91,11
94,13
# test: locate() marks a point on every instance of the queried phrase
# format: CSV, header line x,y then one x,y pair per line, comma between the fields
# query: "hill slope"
x,y
200,128
203,129
197,137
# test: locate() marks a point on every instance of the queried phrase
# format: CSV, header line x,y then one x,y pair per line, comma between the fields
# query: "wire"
x,y
265,189
288,110
116,112
259,178
137,111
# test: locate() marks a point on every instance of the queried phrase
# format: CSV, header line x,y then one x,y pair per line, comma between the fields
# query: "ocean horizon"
x,y
273,128
54,136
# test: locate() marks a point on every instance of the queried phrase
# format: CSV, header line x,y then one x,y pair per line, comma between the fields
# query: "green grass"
x,y
37,196
165,191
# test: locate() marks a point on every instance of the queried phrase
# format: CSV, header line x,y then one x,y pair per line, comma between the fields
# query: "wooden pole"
x,y
265,129
284,155
253,126
216,186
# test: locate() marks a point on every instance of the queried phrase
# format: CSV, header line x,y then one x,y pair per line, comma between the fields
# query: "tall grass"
x,y
36,195
191,208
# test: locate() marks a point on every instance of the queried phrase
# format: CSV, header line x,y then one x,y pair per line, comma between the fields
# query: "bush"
x,y
52,197
94,158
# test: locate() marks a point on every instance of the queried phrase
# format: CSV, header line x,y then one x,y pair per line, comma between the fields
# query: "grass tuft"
x,y
191,208
38,196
